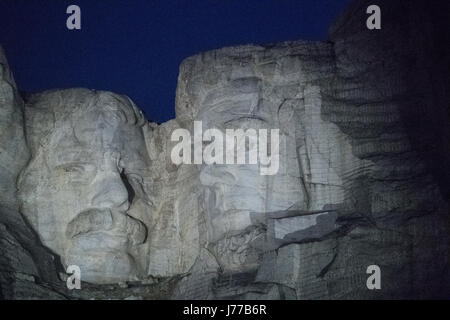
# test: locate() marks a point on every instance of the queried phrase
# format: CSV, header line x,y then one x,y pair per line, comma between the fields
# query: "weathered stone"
x,y
360,180
87,149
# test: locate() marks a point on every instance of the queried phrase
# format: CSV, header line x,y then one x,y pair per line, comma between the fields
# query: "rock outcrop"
x,y
27,268
362,177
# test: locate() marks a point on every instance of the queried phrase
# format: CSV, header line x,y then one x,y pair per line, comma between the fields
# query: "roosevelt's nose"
x,y
110,192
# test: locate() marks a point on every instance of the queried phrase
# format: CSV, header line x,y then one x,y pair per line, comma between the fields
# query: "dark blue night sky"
x,y
134,47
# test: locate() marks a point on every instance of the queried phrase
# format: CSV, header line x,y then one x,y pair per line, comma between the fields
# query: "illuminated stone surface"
x,y
362,178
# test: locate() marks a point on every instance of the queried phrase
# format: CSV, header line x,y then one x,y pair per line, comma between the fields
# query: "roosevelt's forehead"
x,y
78,154
96,136
95,154
126,144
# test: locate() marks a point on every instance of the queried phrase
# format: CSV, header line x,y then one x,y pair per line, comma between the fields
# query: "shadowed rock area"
x,y
363,176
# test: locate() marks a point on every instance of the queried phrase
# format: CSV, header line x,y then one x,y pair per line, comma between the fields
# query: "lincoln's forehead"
x,y
232,89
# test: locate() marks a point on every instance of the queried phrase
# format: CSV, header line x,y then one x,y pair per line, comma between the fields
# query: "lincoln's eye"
x,y
126,182
246,122
72,168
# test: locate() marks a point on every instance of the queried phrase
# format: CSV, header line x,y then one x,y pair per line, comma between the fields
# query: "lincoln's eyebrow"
x,y
229,94
242,117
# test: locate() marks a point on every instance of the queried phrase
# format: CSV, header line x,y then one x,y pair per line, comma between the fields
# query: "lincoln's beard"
x,y
234,235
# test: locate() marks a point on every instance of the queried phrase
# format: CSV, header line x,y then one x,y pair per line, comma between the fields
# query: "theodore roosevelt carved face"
x,y
79,188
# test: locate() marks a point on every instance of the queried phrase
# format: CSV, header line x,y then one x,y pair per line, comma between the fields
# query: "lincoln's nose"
x,y
110,192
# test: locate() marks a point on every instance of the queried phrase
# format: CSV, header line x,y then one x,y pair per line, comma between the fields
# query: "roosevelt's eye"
x,y
120,166
135,186
73,168
130,184
135,178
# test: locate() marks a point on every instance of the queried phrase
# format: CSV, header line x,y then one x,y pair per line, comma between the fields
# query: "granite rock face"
x,y
359,183
25,264
362,177
14,152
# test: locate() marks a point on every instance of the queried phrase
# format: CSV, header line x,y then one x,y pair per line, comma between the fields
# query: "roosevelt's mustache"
x,y
109,221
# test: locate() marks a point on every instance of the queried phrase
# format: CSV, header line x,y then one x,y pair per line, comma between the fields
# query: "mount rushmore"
x,y
363,176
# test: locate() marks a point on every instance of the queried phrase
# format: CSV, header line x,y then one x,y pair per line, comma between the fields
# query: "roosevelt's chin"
x,y
99,242
103,267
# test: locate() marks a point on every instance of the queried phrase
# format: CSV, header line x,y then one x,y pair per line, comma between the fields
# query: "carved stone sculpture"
x,y
361,179
78,189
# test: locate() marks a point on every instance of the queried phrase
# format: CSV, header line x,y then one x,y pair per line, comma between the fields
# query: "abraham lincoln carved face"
x,y
77,192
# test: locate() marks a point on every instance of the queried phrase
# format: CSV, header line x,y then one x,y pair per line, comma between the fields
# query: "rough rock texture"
x,y
363,176
27,269
365,138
